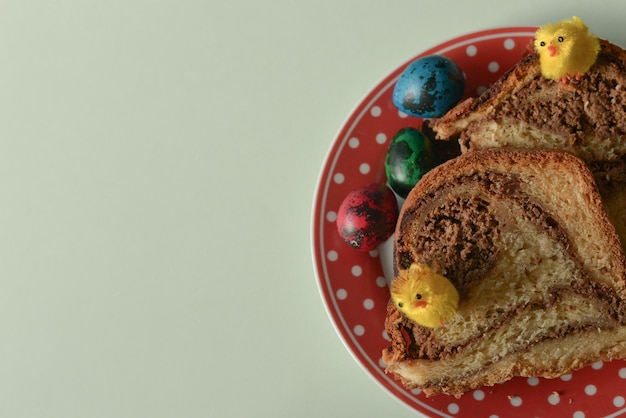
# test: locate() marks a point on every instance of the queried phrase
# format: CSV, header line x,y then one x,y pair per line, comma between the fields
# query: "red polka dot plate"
x,y
353,284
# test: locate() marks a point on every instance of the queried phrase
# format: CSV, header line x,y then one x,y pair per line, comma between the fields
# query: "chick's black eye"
x,y
560,39
418,296
400,304
542,43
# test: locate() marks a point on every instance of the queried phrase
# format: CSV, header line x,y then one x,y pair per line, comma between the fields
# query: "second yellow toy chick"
x,y
566,49
424,296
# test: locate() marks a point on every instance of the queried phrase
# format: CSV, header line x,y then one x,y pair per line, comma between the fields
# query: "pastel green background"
x,y
158,160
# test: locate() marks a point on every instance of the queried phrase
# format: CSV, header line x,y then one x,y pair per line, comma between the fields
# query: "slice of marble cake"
x,y
524,237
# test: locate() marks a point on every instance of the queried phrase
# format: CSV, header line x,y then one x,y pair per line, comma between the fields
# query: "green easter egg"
x,y
409,156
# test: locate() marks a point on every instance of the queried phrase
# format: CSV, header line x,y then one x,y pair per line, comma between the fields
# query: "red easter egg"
x,y
367,216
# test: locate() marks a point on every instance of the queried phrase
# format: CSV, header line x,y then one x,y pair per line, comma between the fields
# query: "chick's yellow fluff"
x,y
424,296
566,49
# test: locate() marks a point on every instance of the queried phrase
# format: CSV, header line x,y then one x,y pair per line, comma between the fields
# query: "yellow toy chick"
x,y
424,296
566,49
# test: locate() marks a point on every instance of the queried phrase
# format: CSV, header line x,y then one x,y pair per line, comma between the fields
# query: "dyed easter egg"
x,y
429,87
367,216
410,155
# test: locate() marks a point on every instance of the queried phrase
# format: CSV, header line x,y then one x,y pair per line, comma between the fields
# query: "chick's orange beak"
x,y
420,304
552,50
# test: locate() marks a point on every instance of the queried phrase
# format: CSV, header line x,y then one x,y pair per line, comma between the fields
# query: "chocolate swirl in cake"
x,y
457,239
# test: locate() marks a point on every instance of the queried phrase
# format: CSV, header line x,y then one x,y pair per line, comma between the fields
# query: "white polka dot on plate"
x,y
619,401
622,373
493,67
373,253
566,377
359,330
402,115
554,399
381,138
339,178
385,335
364,168
479,395
493,416
354,142
332,255
509,44
368,304
597,365
578,414
381,363
453,408
342,294
357,271
515,401
381,281
590,390
471,50
376,111
533,381
331,216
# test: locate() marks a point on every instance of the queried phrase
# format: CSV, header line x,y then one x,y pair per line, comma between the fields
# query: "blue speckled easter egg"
x,y
429,87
